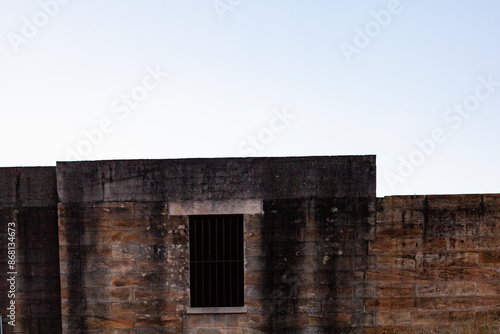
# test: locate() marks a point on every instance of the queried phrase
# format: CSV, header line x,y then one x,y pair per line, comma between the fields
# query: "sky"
x,y
414,82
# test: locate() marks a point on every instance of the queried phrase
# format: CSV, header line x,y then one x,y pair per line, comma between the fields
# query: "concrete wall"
x,y
215,179
322,253
28,201
125,248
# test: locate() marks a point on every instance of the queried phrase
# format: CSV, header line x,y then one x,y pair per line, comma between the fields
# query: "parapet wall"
x,y
108,250
215,179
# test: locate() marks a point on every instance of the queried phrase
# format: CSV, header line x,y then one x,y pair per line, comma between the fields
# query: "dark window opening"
x,y
216,260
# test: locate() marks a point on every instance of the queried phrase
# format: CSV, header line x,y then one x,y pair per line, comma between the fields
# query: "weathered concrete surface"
x,y
124,243
28,186
216,179
125,265
322,254
28,199
315,259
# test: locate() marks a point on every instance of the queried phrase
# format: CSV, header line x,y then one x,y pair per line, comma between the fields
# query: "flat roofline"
x,y
298,157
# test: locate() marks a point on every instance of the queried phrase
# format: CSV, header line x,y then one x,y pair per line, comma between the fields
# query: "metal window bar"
x,y
216,260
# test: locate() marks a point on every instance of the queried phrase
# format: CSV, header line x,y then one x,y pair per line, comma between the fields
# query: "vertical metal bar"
x,y
192,233
231,269
210,241
216,265
203,285
240,259
201,239
223,265
216,222
191,254
238,255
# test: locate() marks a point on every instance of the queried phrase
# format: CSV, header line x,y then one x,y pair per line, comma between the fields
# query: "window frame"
x,y
216,250
243,207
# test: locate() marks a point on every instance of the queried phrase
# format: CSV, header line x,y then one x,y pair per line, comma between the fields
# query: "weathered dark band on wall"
x,y
28,198
216,179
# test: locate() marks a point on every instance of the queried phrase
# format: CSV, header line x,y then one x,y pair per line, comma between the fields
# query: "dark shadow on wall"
x,y
316,254
72,231
343,226
282,231
39,269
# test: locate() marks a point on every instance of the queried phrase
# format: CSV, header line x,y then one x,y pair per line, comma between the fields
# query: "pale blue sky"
x,y
234,65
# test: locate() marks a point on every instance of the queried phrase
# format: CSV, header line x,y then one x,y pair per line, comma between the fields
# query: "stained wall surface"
x,y
28,206
124,242
437,264
103,247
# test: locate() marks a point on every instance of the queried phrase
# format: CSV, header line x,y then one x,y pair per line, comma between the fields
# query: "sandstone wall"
x,y
108,252
437,263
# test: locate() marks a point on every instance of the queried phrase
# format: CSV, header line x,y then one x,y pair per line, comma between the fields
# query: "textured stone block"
x,y
339,319
382,245
455,259
395,290
440,229
429,303
109,294
107,266
488,317
150,293
97,322
413,245
446,289
401,275
158,251
442,318
85,308
463,244
490,258
110,237
468,274
489,229
133,308
478,303
488,288
396,260
389,304
393,318
89,280
84,251
399,230
364,290
489,243
85,224
139,279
